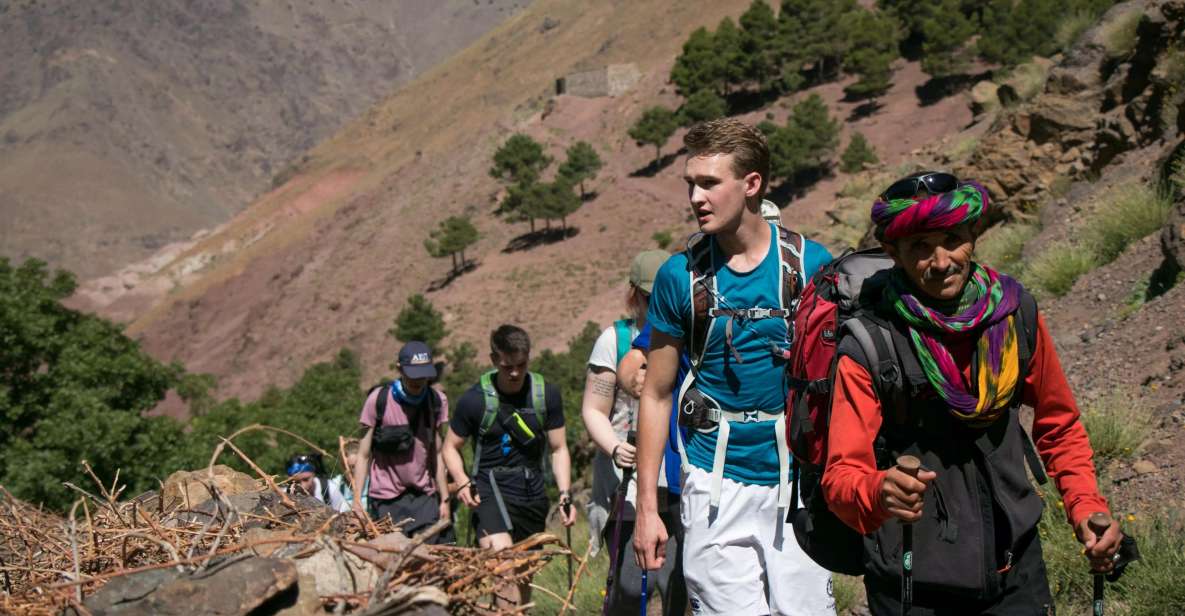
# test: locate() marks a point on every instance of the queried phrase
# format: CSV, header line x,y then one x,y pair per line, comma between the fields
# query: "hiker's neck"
x,y
749,240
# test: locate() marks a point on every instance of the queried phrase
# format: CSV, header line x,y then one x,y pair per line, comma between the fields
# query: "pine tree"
x,y
759,44
815,129
857,155
702,106
699,67
1013,32
873,39
419,320
812,27
452,237
582,164
807,141
520,160
944,32
655,127
727,41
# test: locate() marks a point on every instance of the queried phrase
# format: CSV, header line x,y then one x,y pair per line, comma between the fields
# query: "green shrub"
x,y
1002,247
1071,27
1055,270
1117,425
857,155
662,238
848,592
1126,214
1121,34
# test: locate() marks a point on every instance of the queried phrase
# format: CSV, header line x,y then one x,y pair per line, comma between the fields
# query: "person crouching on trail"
x,y
609,414
727,299
972,348
400,452
513,418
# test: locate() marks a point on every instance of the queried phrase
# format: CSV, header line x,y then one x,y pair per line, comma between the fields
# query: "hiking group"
x,y
767,415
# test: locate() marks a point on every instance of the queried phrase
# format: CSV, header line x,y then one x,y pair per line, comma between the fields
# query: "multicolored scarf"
x,y
901,217
987,310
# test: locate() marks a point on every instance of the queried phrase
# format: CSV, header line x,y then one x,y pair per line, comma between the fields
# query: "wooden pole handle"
x,y
1099,522
909,465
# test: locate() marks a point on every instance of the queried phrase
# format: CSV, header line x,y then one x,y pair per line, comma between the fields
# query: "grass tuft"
x,y
1117,425
1128,213
1002,247
1071,27
1150,587
849,593
1120,35
1057,268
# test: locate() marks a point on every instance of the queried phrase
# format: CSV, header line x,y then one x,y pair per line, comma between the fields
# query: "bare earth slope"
x,y
327,259
128,125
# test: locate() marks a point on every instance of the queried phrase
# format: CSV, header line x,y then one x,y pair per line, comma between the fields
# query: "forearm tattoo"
x,y
604,387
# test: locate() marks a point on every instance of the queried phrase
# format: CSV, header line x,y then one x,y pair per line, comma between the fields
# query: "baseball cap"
x,y
415,361
645,268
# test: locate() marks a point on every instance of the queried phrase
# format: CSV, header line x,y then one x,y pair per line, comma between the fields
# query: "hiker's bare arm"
x,y
456,468
362,467
654,414
631,372
561,465
599,390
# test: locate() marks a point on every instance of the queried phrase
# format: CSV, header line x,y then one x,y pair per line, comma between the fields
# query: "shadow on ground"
x,y
540,237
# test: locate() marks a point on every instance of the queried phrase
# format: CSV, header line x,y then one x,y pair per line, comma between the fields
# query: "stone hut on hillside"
x,y
610,80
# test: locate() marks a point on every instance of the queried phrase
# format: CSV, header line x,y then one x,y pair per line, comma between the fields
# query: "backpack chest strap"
x,y
752,314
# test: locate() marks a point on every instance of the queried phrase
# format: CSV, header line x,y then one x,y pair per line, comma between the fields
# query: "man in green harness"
x,y
514,419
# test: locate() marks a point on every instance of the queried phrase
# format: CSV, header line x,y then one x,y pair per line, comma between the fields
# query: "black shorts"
x,y
527,518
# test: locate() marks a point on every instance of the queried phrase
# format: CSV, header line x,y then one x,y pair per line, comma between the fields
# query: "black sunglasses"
x,y
933,183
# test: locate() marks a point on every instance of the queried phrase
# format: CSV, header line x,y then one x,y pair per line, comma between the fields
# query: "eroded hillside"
x,y
125,126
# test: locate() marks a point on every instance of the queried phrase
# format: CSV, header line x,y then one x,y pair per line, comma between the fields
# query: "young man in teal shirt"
x,y
735,491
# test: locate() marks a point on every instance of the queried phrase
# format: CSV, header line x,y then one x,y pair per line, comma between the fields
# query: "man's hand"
x,y
469,496
625,455
567,510
650,541
1099,550
445,510
901,495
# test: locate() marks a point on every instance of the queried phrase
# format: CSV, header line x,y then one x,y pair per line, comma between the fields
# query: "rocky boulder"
x,y
188,487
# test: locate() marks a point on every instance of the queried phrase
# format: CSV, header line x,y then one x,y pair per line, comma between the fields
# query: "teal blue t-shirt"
x,y
758,383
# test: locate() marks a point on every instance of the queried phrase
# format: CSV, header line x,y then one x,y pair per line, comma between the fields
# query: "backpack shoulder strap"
x,y
702,285
621,328
876,342
490,395
380,402
792,268
539,399
1026,324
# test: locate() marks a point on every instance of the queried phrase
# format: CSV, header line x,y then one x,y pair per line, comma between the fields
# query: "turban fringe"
x,y
901,217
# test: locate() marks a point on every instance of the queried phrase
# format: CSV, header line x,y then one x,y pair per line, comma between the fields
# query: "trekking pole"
x,y
614,549
1098,522
645,588
909,465
567,507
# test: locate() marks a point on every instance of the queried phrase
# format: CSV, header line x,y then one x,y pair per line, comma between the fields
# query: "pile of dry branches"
x,y
48,563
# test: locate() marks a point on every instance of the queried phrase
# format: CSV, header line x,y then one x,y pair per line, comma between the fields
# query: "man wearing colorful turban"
x,y
970,348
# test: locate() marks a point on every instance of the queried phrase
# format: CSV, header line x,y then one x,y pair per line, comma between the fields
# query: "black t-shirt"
x,y
499,449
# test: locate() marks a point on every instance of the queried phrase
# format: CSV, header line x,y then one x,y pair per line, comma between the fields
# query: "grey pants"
x,y
625,598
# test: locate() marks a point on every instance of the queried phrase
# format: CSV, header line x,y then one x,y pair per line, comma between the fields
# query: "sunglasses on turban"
x,y
933,183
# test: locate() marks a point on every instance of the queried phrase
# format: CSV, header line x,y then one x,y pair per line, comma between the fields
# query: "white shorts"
x,y
747,562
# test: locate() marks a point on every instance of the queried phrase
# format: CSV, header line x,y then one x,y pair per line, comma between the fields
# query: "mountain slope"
x,y
128,125
327,260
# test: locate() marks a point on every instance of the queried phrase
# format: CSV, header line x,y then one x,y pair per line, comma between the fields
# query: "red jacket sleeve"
x,y
1059,436
851,483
